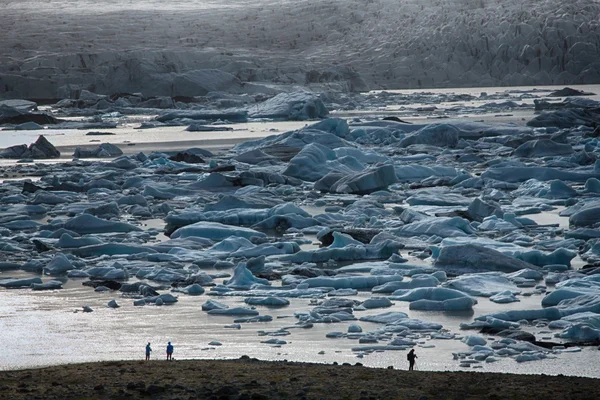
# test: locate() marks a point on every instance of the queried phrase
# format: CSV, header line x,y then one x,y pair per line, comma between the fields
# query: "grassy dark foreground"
x,y
252,379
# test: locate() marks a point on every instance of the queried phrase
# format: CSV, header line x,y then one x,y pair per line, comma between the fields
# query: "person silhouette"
x,y
169,351
411,356
148,351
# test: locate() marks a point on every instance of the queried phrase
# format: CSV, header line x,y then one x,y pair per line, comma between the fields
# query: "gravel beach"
x,y
248,378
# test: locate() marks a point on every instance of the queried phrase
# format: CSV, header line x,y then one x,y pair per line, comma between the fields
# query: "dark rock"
x,y
98,133
393,118
42,148
147,291
113,285
155,389
41,246
103,150
12,115
227,390
186,157
362,235
207,128
99,387
568,118
517,335
565,92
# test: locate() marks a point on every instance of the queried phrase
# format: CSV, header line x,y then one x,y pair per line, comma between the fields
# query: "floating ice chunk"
x,y
49,285
165,298
482,284
342,240
580,304
417,281
67,241
60,264
378,348
236,311
244,279
588,215
493,223
435,299
86,223
456,304
530,356
550,313
435,197
555,297
442,135
15,283
112,249
353,282
213,304
521,174
504,297
542,148
363,155
343,292
443,227
290,106
386,317
592,185
474,258
211,115
375,302
473,340
194,290
312,163
274,341
21,225
158,274
43,197
214,231
559,256
377,251
113,304
76,273
419,172
258,318
267,301
580,332
365,182
490,322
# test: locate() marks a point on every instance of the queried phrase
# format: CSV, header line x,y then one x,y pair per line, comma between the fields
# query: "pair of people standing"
x,y
169,351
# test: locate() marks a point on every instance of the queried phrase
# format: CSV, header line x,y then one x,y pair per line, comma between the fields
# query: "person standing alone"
x,y
148,351
411,356
169,351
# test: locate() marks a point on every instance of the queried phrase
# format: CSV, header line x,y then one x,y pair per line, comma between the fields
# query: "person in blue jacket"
x,y
169,351
148,351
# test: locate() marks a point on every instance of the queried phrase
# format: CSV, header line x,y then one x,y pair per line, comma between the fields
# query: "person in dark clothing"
x,y
169,351
411,356
148,351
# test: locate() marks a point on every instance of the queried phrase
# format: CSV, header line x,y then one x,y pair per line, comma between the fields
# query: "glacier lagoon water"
x,y
45,328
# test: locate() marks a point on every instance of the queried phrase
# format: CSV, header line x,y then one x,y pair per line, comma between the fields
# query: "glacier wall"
x,y
51,49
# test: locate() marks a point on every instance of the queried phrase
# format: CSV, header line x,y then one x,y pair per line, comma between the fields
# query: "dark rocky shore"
x,y
252,379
